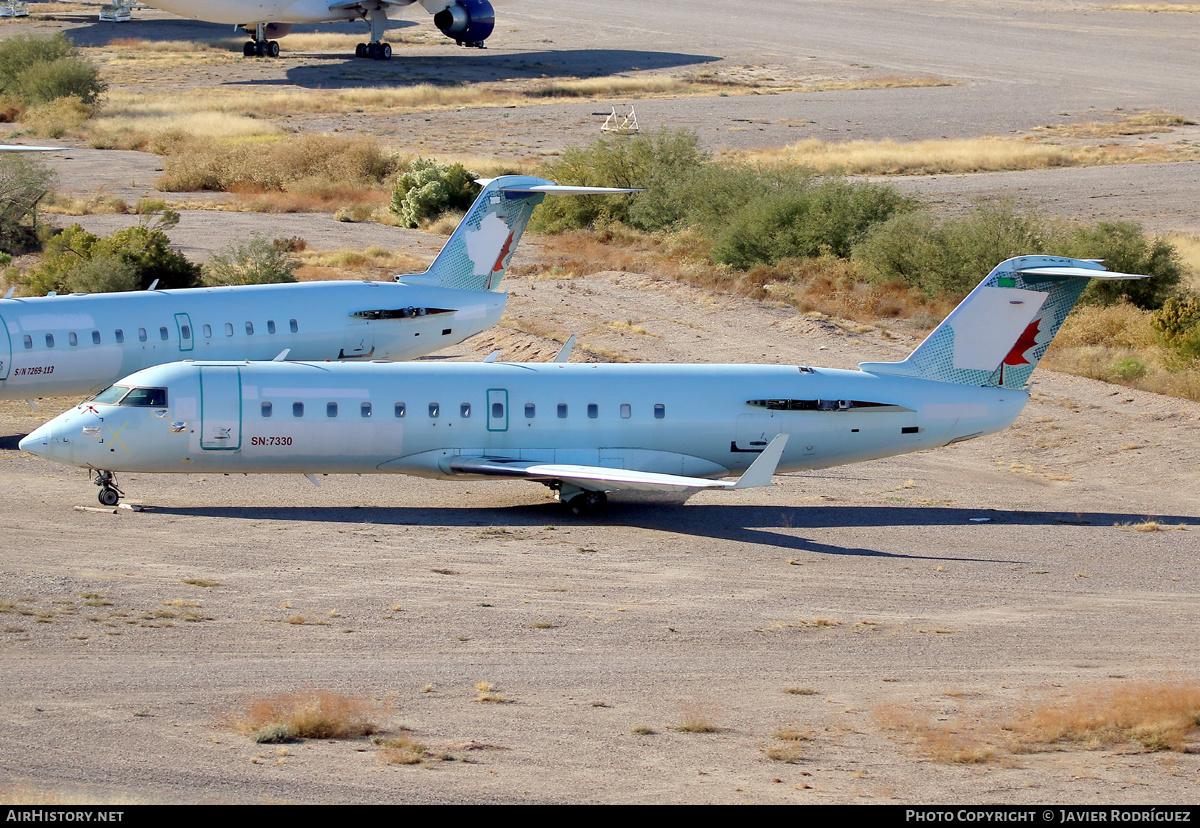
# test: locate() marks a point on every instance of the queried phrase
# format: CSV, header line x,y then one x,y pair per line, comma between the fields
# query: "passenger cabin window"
x,y
660,411
270,326
434,410
497,411
119,335
185,332
297,409
28,341
562,411
249,329
593,411
141,334
266,409
530,411
401,409
163,334
207,330
295,328
330,409
95,337
49,340
229,329
464,410
626,411
364,410
148,397
72,339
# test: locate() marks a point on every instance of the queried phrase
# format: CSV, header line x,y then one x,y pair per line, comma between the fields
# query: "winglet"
x,y
763,468
564,353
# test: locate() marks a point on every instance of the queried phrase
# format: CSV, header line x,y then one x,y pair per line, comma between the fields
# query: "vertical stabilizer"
x,y
477,256
997,335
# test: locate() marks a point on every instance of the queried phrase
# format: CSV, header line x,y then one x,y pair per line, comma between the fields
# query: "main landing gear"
x,y
580,501
110,492
260,46
376,49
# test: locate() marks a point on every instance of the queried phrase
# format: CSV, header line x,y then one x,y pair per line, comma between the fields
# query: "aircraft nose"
x,y
37,442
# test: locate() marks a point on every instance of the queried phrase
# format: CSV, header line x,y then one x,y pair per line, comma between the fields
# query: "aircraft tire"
x,y
273,48
385,51
360,50
248,48
587,503
109,496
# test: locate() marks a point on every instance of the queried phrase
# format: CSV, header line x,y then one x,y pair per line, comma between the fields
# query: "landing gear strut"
x,y
376,49
260,46
110,492
580,501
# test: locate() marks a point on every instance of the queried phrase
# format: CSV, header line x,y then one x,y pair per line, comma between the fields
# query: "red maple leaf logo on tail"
x,y
504,251
1025,341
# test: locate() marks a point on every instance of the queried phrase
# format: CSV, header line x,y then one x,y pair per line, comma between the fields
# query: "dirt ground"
x,y
957,587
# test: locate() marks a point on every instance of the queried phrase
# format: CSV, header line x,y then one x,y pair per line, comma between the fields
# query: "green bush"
x,y
1177,326
37,69
23,182
427,189
129,259
259,261
950,256
829,216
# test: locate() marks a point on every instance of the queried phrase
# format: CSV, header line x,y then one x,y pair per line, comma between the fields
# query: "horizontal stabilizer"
x,y
1079,273
559,189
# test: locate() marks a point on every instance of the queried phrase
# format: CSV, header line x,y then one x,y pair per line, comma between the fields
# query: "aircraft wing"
x,y
607,479
360,5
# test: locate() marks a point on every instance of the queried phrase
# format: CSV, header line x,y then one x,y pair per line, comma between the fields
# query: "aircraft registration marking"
x,y
270,441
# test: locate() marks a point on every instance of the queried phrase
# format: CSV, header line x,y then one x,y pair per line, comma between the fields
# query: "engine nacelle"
x,y
469,22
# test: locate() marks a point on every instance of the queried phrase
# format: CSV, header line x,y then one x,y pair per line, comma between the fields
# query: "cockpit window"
x,y
156,397
111,395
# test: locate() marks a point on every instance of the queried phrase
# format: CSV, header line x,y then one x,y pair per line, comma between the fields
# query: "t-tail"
x,y
478,253
999,333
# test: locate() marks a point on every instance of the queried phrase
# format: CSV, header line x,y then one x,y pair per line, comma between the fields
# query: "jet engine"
x,y
469,22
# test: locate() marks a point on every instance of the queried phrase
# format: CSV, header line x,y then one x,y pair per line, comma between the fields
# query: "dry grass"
x,y
950,743
402,750
314,714
487,693
698,717
1155,715
1143,123
958,155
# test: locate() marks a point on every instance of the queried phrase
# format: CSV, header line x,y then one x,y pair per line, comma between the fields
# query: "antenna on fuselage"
x,y
564,353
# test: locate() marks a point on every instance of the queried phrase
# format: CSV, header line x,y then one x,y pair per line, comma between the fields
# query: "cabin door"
x,y
5,350
756,431
359,342
220,408
183,325
497,409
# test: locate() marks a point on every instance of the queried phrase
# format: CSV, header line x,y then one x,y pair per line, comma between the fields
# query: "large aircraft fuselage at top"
x,y
427,419
79,344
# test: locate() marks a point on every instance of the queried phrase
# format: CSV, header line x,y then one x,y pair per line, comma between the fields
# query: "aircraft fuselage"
x,y
422,418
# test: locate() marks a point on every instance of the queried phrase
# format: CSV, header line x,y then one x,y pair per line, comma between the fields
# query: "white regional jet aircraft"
x,y
468,22
78,344
582,429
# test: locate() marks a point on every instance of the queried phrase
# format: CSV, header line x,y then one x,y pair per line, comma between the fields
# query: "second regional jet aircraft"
x,y
586,429
467,22
79,344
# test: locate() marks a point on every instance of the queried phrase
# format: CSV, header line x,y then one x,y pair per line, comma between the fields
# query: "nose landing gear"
x,y
110,492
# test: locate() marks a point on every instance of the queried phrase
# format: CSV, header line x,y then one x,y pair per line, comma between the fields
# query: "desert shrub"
x,y
311,163
950,256
1125,248
40,68
831,215
427,189
23,182
1177,326
58,117
259,261
78,260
